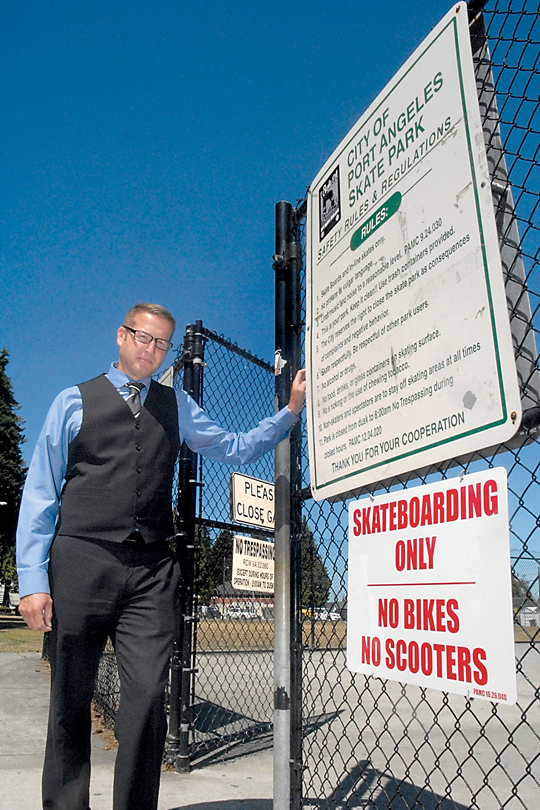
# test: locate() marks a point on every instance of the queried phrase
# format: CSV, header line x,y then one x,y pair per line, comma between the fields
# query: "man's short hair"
x,y
152,309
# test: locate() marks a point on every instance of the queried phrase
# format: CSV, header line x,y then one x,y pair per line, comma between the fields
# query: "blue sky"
x,y
144,148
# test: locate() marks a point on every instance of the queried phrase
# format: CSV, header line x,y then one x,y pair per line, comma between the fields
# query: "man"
x,y
99,486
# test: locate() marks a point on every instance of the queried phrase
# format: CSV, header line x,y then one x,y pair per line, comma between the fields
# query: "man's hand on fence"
x,y
36,610
298,392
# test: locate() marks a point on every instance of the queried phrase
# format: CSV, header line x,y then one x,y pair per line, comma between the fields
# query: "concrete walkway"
x,y
237,784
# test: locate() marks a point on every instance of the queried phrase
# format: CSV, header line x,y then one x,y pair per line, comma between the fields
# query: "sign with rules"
x,y
408,339
253,564
430,592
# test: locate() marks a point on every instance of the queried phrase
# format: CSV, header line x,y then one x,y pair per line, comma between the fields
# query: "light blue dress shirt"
x,y
41,495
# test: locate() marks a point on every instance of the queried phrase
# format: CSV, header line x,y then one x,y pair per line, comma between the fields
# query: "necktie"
x,y
134,400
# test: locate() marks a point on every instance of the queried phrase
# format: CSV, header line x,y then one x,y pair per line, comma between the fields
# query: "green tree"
x,y
204,586
215,567
215,563
521,594
12,475
220,559
315,580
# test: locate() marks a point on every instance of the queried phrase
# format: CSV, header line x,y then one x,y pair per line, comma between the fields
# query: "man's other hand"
x,y
36,610
298,392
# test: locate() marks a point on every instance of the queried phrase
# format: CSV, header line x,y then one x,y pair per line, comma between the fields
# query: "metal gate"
x,y
222,669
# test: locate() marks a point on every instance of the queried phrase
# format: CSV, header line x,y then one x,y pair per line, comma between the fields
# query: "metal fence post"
x,y
287,600
182,656
282,600
296,640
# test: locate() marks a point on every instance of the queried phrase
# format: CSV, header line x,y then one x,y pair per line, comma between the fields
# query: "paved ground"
x,y
237,784
344,738
382,738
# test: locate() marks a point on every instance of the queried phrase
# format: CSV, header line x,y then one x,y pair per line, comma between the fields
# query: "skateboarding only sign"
x,y
430,593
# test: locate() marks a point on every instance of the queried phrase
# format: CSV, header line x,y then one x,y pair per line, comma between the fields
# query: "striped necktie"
x,y
134,399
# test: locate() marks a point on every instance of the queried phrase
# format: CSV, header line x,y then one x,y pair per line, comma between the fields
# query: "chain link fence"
x,y
382,744
232,657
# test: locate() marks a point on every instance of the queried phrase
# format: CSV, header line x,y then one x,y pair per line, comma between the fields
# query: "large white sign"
x,y
408,338
252,501
253,564
430,593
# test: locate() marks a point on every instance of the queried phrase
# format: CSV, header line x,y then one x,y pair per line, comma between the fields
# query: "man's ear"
x,y
120,335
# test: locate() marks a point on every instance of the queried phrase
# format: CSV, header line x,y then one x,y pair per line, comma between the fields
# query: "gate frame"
x,y
189,519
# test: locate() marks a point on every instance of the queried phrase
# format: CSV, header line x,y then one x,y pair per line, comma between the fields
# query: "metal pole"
x,y
282,592
182,656
296,641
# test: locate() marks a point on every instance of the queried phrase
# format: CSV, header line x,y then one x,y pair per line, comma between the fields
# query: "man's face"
x,y
139,360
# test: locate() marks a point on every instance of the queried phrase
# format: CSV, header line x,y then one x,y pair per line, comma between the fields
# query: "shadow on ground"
x,y
363,787
372,790
228,804
252,739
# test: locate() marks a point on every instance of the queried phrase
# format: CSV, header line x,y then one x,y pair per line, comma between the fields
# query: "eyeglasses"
x,y
144,337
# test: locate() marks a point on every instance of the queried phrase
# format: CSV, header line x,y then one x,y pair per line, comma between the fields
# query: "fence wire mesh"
x,y
232,694
107,689
382,744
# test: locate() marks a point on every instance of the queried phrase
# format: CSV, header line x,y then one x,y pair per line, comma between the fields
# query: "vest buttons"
x,y
138,493
138,446
138,470
137,426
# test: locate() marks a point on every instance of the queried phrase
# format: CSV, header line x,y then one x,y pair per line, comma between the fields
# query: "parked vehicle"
x,y
238,612
321,614
209,611
328,615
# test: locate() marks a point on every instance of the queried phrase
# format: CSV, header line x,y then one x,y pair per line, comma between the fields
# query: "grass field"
x,y
222,634
212,634
16,637
258,634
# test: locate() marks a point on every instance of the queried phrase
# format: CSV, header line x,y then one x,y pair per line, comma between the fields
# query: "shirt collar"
x,y
119,379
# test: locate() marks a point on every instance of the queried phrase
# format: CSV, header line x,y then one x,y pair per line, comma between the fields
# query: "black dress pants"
x,y
126,591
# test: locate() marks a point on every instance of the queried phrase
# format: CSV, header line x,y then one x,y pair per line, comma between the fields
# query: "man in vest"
x,y
99,485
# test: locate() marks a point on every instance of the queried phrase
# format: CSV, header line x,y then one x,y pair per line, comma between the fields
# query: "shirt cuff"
x,y
35,580
286,418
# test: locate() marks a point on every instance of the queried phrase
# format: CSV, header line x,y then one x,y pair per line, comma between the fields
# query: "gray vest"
x,y
120,468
